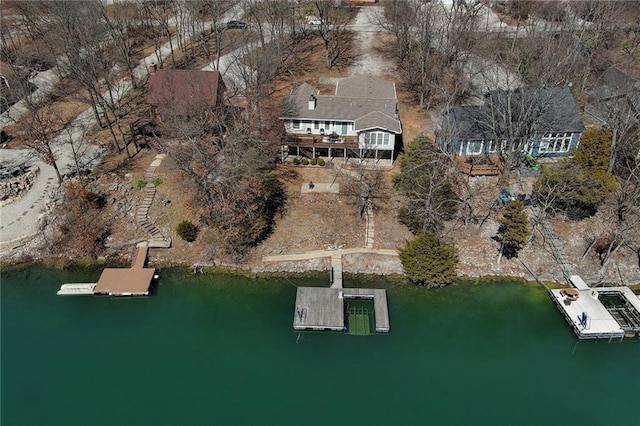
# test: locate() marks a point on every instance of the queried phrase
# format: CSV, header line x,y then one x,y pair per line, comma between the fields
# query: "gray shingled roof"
x,y
366,112
616,90
363,86
376,119
549,109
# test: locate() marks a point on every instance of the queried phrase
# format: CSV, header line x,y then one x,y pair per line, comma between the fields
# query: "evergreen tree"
x,y
579,185
187,231
594,150
423,179
427,261
593,154
514,228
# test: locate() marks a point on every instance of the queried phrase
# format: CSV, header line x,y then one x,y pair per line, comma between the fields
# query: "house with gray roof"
x,y
359,120
545,119
616,94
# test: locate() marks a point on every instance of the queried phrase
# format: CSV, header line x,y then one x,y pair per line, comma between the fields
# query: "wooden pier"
x,y
134,281
320,308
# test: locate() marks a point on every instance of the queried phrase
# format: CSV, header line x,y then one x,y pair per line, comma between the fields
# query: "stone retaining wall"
x,y
13,188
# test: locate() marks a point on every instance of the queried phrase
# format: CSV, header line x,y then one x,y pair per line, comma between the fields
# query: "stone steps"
x,y
142,213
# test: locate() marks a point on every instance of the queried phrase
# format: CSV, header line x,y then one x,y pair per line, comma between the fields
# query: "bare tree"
x,y
160,15
204,20
41,125
332,29
364,184
431,45
229,174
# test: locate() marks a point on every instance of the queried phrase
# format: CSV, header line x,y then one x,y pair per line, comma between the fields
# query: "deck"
x,y
134,281
479,165
600,323
321,308
320,141
125,282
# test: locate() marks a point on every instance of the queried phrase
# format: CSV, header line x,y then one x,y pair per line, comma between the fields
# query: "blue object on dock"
x,y
583,320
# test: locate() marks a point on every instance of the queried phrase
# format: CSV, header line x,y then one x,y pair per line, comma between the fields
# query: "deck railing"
x,y
319,141
490,166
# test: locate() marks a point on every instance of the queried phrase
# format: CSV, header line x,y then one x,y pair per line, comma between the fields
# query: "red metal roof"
x,y
184,91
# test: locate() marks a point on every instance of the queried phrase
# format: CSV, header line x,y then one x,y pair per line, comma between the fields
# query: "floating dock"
x,y
320,308
76,289
600,312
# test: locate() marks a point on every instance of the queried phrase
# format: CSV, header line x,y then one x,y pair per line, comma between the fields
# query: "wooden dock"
x,y
140,257
320,308
134,281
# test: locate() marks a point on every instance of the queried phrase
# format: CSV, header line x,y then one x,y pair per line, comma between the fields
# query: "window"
x,y
474,147
478,147
555,142
296,124
376,138
316,125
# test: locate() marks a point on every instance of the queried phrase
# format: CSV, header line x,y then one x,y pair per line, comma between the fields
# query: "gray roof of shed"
x,y
365,111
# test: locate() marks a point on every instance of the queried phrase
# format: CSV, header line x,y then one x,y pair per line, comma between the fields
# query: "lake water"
x,y
221,350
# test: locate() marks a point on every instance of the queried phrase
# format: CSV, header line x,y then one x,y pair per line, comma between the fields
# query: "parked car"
x,y
315,21
237,25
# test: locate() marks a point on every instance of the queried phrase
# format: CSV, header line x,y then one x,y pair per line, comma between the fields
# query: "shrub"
x,y
141,183
314,161
187,231
320,162
514,228
296,161
429,262
305,161
156,181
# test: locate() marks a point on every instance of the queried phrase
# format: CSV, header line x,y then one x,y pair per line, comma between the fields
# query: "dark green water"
x,y
221,350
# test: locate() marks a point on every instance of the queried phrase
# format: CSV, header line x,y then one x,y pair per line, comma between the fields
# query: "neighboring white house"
x,y
360,120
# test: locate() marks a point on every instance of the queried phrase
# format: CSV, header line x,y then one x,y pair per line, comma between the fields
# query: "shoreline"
x,y
59,263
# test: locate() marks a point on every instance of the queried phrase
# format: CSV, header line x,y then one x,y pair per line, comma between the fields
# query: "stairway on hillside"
x,y
556,247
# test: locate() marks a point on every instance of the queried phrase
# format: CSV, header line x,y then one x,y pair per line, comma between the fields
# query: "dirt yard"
x,y
316,221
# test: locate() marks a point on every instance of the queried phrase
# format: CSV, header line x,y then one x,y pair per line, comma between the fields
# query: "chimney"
x,y
313,101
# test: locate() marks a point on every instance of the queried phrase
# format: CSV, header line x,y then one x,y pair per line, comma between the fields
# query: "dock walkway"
x,y
336,271
140,258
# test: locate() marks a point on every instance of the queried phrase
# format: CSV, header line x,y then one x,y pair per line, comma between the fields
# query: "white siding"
x,y
377,140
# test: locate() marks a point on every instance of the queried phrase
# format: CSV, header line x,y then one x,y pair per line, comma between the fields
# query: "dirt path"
x,y
368,61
